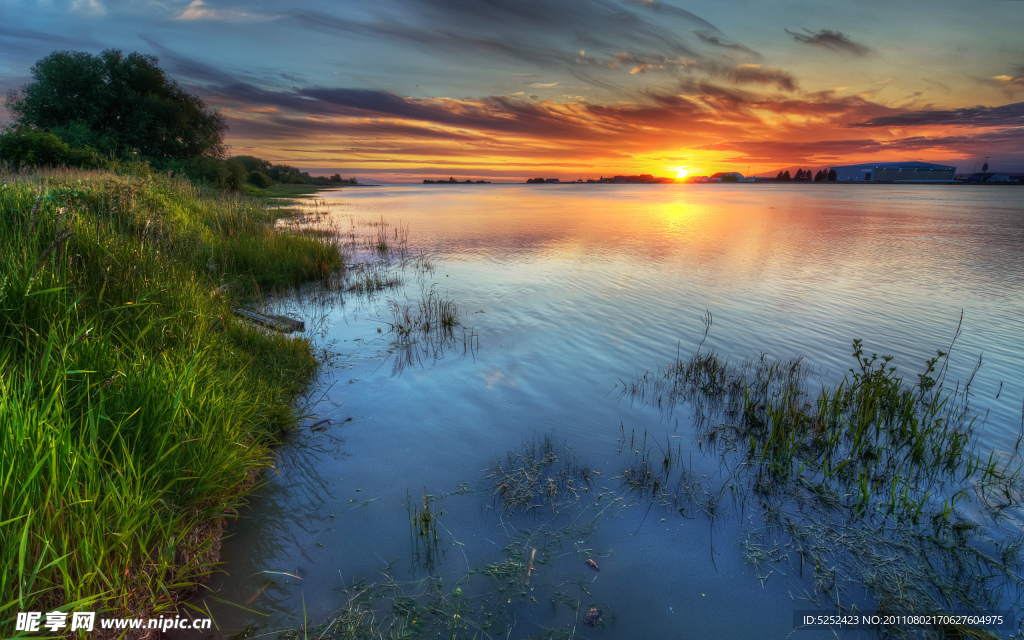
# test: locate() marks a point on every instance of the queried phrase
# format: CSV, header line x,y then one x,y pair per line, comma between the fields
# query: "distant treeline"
x,y
234,172
454,181
22,146
102,111
803,175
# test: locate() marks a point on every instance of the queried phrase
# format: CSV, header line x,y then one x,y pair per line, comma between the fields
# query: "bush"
x,y
87,158
259,179
27,146
234,175
223,174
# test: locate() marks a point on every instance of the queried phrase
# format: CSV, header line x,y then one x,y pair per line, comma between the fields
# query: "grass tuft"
x,y
134,407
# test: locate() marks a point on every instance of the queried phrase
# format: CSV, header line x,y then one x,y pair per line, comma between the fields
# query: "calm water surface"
x,y
572,289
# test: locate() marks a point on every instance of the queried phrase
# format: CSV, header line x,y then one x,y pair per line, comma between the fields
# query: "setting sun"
x,y
681,172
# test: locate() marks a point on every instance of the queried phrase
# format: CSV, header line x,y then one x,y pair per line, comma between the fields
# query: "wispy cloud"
x,y
716,40
756,74
833,40
600,42
94,7
671,10
501,132
199,10
1007,115
1010,84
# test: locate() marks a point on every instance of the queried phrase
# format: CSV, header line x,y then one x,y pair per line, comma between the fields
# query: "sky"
x,y
503,90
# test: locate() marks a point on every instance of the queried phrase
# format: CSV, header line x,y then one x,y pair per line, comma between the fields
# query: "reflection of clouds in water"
x,y
496,377
582,287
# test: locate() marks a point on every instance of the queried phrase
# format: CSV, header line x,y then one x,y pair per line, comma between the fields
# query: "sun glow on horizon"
x,y
681,172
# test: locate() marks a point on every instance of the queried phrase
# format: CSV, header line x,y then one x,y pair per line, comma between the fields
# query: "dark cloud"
x,y
803,152
714,39
1008,144
725,103
20,48
671,10
43,40
190,68
1001,116
972,143
538,32
371,118
278,126
833,40
756,74
495,113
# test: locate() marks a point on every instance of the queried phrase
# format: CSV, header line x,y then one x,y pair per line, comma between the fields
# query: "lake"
x,y
565,295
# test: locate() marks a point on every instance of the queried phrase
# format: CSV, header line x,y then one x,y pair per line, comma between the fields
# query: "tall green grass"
x,y
133,415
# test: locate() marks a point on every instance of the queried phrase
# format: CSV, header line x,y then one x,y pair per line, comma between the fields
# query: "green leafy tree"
x,y
120,105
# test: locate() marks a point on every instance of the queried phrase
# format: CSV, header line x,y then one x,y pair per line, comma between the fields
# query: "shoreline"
x,y
137,409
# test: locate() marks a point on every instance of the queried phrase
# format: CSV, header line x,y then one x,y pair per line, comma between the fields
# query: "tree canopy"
x,y
120,105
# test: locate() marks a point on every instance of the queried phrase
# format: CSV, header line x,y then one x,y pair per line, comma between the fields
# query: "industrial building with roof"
x,y
895,172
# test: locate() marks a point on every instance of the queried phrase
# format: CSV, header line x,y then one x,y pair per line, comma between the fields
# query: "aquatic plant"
x,y
531,478
865,480
387,238
433,315
371,277
423,529
546,559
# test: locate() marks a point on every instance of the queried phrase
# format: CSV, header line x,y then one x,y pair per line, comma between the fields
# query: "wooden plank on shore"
x,y
283,324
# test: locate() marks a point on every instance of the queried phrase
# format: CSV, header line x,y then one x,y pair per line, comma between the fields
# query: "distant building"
x,y
726,176
995,177
895,172
644,178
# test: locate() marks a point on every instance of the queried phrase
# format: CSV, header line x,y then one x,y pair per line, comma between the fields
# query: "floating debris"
x,y
283,324
592,617
322,425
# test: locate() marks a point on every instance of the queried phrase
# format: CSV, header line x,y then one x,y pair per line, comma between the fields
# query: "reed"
x,y
865,478
135,410
433,315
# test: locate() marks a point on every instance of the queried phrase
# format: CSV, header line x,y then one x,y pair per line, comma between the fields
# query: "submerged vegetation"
x,y
875,485
533,478
546,565
135,408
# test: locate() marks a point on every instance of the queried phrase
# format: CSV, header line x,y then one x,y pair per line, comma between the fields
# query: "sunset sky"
x,y
400,90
